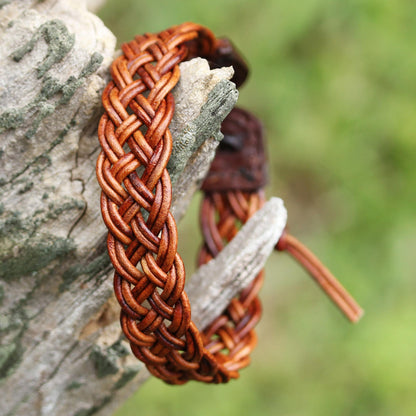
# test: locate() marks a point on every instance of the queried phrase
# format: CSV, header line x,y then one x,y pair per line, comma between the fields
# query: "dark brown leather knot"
x,y
219,52
240,161
226,54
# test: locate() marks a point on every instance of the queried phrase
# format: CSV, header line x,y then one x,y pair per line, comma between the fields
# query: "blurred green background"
x,y
334,83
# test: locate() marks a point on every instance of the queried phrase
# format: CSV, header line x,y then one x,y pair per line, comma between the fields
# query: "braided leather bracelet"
x,y
149,274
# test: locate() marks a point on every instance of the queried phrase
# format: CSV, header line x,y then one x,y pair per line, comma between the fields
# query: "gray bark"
x,y
61,349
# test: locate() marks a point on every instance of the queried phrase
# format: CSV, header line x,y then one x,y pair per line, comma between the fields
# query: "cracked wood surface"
x,y
61,350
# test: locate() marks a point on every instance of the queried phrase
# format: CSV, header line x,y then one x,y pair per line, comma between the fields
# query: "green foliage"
x,y
333,82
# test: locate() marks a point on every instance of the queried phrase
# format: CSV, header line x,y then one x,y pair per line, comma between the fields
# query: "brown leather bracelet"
x,y
149,274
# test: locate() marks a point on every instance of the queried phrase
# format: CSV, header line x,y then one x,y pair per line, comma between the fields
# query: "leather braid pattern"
x,y
221,217
136,197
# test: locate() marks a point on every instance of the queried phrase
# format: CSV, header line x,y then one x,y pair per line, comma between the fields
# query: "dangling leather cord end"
x,y
329,284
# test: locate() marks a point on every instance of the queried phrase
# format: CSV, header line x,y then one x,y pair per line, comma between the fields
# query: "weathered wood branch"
x,y
61,348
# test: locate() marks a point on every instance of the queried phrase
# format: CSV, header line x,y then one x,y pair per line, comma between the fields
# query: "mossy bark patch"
x,y
206,125
59,41
53,93
4,3
1,295
105,361
34,256
45,103
127,375
90,269
74,385
94,409
10,356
